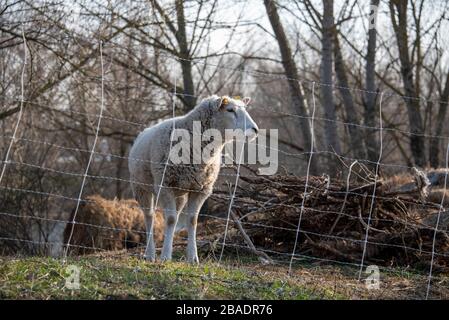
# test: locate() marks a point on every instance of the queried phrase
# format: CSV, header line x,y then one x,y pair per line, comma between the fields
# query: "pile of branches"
x,y
335,216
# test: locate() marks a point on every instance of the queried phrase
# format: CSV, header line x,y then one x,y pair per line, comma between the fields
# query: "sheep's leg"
x,y
169,234
171,218
150,250
195,202
180,204
145,200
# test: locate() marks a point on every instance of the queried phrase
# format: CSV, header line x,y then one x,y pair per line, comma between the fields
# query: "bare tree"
x,y
434,149
291,72
369,98
355,134
398,13
326,76
183,50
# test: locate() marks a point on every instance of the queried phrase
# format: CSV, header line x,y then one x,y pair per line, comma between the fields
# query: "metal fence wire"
x,y
236,174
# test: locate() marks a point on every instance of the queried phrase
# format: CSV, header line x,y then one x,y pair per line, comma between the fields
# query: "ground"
x,y
119,275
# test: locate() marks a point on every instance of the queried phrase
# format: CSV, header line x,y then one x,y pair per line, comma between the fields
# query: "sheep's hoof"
x,y
193,260
165,259
150,258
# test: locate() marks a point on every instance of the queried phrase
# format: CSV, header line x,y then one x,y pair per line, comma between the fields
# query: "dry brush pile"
x,y
335,215
109,225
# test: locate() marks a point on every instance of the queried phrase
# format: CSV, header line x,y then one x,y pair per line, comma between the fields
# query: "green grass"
x,y
132,278
117,275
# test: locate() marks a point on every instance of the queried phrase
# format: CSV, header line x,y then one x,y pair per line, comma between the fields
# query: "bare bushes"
x,y
335,218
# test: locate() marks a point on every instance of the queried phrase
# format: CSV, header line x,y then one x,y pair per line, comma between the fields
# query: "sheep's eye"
x,y
230,110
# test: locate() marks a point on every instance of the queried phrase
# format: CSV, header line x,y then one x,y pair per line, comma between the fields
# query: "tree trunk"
x,y
411,94
184,55
355,133
434,150
291,72
330,126
369,101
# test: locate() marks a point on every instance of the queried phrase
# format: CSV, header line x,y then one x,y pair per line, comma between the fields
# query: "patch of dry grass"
x,y
117,275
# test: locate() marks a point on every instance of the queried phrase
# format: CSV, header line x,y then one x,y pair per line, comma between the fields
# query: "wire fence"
x,y
290,256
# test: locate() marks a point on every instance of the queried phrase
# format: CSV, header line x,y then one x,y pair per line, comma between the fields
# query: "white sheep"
x,y
182,184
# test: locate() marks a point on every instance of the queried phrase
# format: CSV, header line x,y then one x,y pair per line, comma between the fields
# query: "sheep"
x,y
183,185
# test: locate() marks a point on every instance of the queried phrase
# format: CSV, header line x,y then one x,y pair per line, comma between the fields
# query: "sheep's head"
x,y
230,113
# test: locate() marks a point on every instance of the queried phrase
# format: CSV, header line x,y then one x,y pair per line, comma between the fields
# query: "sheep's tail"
x,y
182,222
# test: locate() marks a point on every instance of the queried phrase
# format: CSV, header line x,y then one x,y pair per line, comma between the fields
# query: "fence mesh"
x,y
296,212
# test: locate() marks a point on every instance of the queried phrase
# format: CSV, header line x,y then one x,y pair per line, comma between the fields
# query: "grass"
x,y
116,275
132,278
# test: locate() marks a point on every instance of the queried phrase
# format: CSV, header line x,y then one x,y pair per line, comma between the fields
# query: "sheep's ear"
x,y
246,100
222,102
